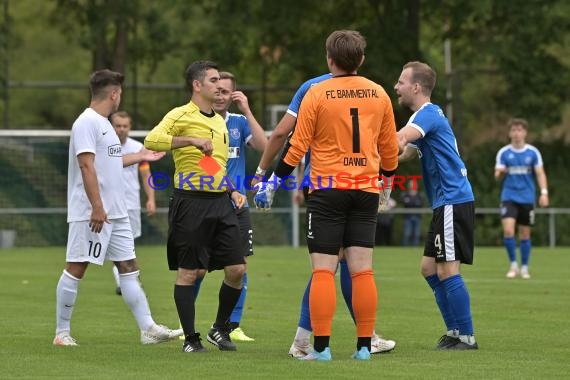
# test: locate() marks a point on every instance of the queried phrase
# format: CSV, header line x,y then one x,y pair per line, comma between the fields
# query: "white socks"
x,y
116,276
66,293
134,296
469,339
303,335
453,333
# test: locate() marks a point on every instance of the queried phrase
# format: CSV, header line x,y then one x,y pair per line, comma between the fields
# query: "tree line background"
x,y
508,58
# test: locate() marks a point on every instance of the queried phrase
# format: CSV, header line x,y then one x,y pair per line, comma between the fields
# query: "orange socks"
x,y
364,302
322,302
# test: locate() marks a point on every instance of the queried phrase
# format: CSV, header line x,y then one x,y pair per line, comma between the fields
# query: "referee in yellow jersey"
x,y
203,228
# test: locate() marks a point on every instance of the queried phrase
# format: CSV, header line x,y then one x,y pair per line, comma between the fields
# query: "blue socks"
x,y
346,287
238,309
442,302
525,252
511,246
459,303
305,317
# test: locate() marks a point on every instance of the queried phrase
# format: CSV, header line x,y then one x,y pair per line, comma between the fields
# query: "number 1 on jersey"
x,y
355,130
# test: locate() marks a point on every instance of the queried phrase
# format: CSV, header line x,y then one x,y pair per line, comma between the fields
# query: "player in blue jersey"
x,y
243,130
449,241
301,345
520,164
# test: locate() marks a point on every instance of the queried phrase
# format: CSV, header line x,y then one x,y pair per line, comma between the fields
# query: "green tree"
x,y
283,42
114,30
513,52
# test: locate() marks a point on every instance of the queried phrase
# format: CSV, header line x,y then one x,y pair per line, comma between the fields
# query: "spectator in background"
x,y
410,199
122,124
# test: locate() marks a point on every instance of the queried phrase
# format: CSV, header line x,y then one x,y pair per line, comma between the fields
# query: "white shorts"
x,y
135,219
114,243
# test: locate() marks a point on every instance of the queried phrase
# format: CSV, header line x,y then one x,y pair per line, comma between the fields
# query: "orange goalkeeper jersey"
x,y
348,123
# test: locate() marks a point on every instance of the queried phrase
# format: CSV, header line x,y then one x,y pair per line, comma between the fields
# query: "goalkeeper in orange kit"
x,y
348,123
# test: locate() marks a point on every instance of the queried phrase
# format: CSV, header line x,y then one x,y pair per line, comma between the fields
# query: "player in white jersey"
x,y
99,227
449,241
519,165
122,124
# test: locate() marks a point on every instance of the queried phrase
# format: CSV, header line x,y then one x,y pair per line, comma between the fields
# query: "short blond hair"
x,y
422,74
230,76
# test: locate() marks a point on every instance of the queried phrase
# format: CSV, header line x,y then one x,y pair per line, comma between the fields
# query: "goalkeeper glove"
x,y
263,199
385,185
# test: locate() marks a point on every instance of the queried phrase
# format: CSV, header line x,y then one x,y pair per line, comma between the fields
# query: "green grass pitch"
x,y
522,326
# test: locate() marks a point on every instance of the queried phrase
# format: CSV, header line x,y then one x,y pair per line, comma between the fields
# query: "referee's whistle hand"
x,y
204,145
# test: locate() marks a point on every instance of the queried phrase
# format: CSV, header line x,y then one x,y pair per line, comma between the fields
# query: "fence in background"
x,y
33,185
280,226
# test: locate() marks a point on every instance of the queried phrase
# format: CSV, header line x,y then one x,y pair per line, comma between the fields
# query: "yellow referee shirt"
x,y
187,120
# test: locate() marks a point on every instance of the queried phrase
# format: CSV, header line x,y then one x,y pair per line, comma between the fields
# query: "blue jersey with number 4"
x,y
444,173
518,185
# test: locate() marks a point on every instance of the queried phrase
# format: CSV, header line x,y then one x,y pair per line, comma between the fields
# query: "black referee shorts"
x,y
203,231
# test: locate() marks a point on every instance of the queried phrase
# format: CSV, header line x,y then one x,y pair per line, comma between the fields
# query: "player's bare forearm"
x,y
204,145
277,140
143,155
98,216
543,200
91,187
406,135
150,207
86,163
407,154
541,178
258,140
272,148
499,174
149,191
